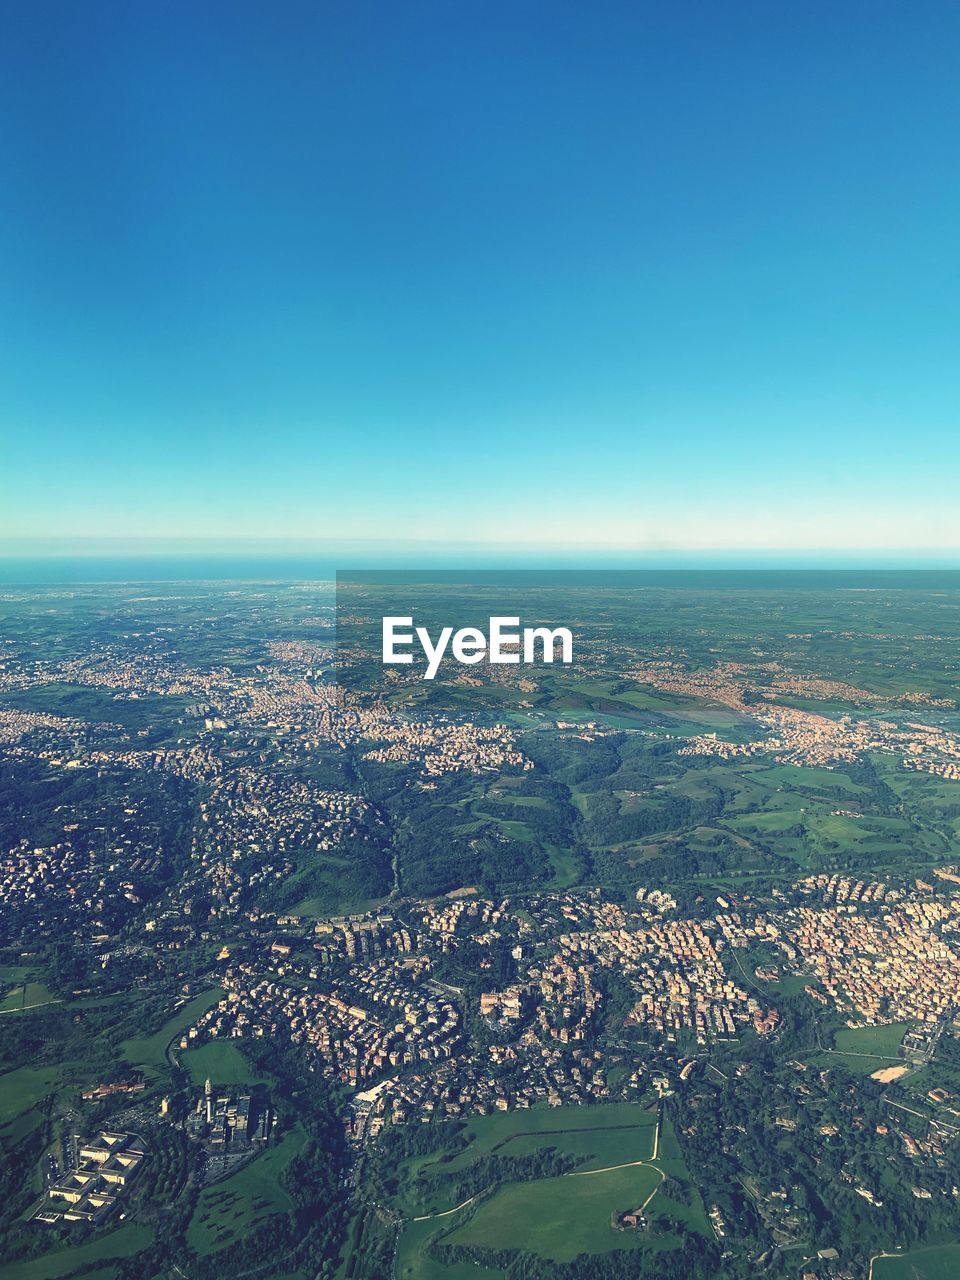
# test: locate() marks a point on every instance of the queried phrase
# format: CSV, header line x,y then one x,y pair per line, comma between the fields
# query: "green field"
x,y
121,1243
26,995
21,1089
558,1218
149,1052
494,1132
221,1061
232,1208
803,776
567,866
863,1050
883,1041
414,1262
597,1136
671,1161
18,1128
942,1262
15,973
593,1149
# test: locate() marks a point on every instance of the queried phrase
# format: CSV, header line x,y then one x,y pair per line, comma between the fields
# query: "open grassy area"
x,y
14,973
596,1135
804,776
558,1218
221,1061
333,902
592,1148
492,1133
567,866
671,1161
232,1208
26,995
414,1262
941,1262
20,989
863,1050
149,1052
121,1243
20,1089
883,1041
17,1129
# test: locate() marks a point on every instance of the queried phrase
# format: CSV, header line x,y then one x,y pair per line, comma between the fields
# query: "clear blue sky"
x,y
649,276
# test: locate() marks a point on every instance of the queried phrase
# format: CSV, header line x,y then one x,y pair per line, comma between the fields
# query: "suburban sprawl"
x,y
643,966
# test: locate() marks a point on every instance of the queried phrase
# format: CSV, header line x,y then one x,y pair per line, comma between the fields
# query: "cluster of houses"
x,y
363,1024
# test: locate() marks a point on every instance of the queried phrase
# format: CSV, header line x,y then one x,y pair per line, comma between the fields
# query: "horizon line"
x,y
14,549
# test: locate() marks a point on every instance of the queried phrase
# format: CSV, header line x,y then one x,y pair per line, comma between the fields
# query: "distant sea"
x,y
64,570
570,570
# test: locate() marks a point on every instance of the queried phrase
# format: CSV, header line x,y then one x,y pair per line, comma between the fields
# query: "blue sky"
x,y
639,276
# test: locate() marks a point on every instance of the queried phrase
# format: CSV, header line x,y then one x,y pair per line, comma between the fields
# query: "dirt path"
x,y
632,1164
576,1173
426,1217
610,1168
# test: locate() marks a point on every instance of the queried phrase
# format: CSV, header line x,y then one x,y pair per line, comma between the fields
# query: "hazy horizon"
x,y
261,560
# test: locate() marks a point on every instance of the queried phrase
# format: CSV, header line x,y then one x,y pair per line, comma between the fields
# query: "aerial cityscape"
x,y
646,965
479,640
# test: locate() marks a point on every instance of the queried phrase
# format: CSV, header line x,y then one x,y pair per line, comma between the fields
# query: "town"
x,y
358,961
